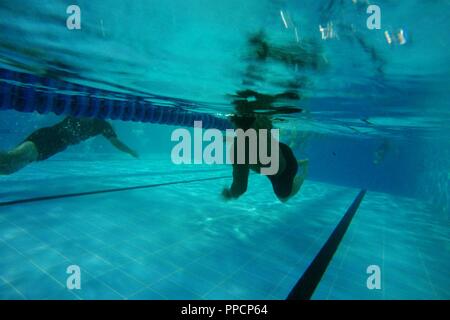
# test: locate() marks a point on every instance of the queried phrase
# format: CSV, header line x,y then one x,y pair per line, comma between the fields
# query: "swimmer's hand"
x,y
123,147
134,154
226,194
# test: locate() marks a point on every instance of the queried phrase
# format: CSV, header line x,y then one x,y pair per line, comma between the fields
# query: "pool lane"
x,y
170,242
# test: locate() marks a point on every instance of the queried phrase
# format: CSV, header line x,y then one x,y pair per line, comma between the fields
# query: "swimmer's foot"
x,y
298,180
303,162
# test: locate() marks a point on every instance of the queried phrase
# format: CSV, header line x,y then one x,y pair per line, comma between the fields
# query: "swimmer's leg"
x,y
299,179
18,158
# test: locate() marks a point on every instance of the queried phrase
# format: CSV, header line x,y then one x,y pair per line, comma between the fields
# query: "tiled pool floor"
x,y
183,242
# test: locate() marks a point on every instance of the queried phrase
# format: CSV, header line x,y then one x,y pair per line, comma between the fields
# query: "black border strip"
x,y
80,194
307,284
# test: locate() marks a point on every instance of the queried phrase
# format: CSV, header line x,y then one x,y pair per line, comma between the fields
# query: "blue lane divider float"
x,y
25,92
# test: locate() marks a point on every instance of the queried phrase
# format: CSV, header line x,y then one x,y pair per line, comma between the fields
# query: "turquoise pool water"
x,y
375,117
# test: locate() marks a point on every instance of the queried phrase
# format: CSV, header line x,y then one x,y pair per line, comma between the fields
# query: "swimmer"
x,y
46,142
286,182
253,110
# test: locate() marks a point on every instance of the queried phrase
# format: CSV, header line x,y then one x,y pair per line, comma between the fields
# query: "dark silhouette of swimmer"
x,y
46,142
286,183
253,110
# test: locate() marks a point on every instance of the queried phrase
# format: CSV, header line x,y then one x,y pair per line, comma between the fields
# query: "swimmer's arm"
x,y
240,182
123,147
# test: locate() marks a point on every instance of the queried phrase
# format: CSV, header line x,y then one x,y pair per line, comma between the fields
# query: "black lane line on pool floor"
x,y
307,284
81,194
